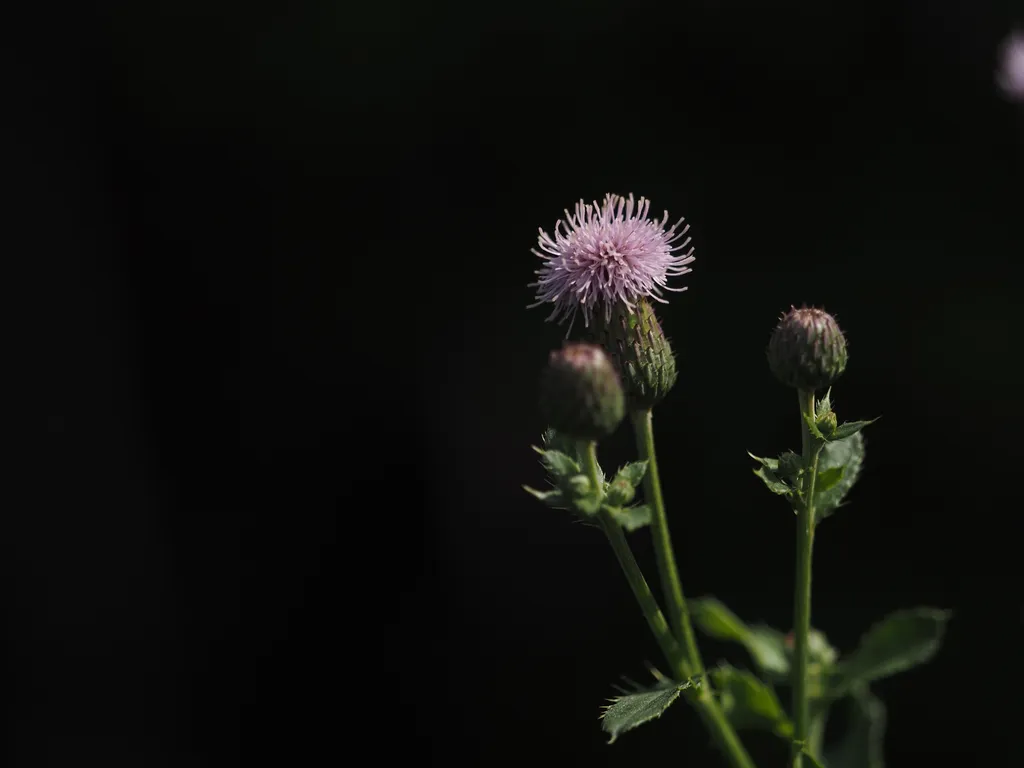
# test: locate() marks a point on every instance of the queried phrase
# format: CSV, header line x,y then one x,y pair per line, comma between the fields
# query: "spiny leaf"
x,y
851,428
578,486
627,712
848,454
772,481
587,505
812,425
552,498
631,518
633,473
772,464
558,463
824,405
902,640
750,703
556,441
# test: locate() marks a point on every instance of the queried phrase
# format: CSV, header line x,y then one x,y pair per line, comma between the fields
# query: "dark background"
x,y
277,381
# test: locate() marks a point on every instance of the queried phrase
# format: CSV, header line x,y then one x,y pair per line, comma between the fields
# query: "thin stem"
x,y
641,591
802,588
670,583
693,666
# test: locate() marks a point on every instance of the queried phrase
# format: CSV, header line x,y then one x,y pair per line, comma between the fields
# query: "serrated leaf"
x,y
633,473
631,518
750,703
790,465
828,479
809,420
862,745
824,405
847,453
587,505
903,639
620,492
850,428
772,481
634,709
764,644
769,464
556,441
552,498
578,486
557,463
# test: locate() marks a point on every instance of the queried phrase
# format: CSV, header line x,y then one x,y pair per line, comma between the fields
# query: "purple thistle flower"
x,y
608,254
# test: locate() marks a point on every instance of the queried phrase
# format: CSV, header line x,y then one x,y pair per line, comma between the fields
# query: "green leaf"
x,y
790,465
750,703
633,473
620,492
588,505
717,621
847,453
861,747
631,518
764,644
812,425
767,646
828,479
769,464
552,498
556,441
578,486
850,428
773,483
558,463
902,640
634,709
824,405
810,759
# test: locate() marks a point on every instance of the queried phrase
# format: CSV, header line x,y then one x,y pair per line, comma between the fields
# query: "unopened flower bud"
x,y
640,351
828,423
807,350
580,393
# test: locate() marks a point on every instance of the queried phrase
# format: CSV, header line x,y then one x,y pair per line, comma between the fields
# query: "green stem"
x,y
693,666
651,610
670,583
802,588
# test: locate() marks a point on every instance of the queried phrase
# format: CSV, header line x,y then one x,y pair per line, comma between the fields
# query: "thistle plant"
x,y
611,263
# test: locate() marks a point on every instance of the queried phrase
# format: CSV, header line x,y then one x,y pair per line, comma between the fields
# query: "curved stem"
x,y
707,705
802,588
631,569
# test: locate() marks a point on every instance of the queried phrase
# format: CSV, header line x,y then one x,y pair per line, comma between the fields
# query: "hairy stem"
x,y
802,588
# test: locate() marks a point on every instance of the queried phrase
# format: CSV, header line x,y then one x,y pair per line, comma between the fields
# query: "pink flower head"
x,y
607,254
1011,72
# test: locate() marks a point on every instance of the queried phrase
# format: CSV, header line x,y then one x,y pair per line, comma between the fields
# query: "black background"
x,y
277,378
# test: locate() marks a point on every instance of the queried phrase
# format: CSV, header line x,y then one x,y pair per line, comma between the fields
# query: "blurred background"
x,y
276,377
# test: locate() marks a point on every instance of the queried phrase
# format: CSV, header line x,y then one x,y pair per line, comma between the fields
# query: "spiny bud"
x,y
807,350
641,353
580,393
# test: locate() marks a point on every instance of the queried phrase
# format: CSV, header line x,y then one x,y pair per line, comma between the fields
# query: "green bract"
x,y
641,353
